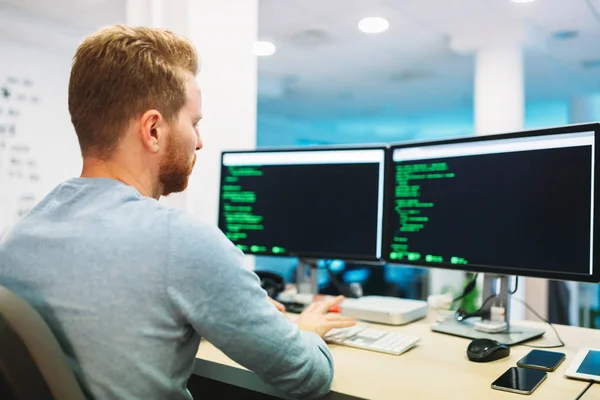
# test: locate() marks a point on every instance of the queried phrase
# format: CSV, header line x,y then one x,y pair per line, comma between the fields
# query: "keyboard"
x,y
372,339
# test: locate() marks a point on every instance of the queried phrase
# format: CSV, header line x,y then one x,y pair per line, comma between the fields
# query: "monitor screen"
x,y
313,203
520,204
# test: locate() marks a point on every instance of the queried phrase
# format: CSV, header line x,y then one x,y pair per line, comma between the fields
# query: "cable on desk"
x,y
584,390
467,290
482,312
471,286
516,286
345,290
562,344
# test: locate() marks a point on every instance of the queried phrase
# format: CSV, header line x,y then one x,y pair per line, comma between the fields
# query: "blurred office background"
x,y
331,83
321,80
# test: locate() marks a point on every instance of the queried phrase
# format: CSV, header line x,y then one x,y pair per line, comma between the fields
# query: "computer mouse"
x,y
485,350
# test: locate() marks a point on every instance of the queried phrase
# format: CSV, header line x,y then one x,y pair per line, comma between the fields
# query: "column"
x,y
499,107
224,32
138,13
499,89
499,102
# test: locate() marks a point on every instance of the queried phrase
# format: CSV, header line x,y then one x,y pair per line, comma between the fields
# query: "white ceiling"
x,y
325,68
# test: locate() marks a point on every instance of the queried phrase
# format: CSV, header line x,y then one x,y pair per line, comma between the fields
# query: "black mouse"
x,y
485,350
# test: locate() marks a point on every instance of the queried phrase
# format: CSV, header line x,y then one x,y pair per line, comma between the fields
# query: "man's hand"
x,y
277,305
316,319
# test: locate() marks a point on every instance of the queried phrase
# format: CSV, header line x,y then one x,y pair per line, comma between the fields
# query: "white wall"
x,y
43,149
38,50
224,32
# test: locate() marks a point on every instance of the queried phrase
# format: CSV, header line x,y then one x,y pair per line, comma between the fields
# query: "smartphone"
x,y
520,380
542,360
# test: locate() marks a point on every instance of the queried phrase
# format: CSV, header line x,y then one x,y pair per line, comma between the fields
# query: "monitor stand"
x,y
307,276
513,334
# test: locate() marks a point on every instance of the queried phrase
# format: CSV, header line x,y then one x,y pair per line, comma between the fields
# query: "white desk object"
x,y
384,310
585,365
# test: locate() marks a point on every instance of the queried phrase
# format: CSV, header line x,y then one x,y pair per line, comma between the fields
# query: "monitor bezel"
x,y
308,255
487,269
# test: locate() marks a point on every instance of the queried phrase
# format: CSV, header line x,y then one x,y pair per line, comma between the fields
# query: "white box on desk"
x,y
384,310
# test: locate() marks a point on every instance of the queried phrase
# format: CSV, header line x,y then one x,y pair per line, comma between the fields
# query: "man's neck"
x,y
97,168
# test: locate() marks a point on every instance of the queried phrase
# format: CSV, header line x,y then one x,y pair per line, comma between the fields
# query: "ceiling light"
x,y
264,49
522,1
373,25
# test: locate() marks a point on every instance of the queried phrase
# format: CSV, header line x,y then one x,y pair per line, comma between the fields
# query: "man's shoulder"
x,y
189,233
198,250
183,221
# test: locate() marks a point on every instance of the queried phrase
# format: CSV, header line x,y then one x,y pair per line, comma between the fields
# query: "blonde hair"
x,y
119,73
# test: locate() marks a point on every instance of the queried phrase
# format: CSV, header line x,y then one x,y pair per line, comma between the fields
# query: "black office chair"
x,y
32,364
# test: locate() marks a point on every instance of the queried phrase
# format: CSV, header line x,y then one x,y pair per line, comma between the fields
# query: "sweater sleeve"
x,y
225,304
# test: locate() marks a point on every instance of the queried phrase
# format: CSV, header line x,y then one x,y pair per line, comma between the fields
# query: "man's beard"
x,y
175,168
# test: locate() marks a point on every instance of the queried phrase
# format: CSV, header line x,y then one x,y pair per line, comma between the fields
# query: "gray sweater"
x,y
129,286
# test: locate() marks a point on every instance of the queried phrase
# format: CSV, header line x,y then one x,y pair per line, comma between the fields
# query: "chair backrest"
x,y
32,364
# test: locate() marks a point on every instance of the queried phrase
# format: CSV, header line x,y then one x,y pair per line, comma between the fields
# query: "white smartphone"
x,y
585,365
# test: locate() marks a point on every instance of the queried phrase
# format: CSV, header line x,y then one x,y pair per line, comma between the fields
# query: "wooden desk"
x,y
593,392
436,368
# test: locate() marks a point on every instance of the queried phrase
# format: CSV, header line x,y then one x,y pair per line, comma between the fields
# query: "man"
x,y
128,285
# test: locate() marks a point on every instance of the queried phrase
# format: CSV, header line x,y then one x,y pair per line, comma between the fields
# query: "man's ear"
x,y
151,132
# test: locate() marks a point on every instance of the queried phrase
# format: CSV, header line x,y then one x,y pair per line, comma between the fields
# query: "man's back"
x,y
128,286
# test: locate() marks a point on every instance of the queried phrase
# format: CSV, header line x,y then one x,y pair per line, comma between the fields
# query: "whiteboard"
x,y
38,146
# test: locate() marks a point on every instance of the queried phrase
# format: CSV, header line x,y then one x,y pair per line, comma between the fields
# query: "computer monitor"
x,y
510,204
304,202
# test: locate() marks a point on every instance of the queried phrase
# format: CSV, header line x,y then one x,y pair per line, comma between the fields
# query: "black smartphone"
x,y
542,360
520,380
